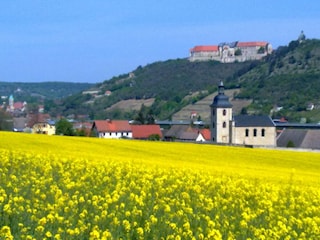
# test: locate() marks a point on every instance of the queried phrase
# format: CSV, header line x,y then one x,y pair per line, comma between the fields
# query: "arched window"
x,y
224,124
254,132
247,132
263,132
224,112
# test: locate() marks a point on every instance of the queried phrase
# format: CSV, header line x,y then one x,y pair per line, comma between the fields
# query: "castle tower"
x,y
301,37
221,118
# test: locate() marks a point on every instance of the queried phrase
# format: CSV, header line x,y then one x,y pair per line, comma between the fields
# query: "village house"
x,y
144,132
111,129
231,52
187,133
123,129
240,130
47,128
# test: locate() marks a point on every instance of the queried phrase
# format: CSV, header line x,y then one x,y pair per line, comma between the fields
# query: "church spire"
x,y
221,88
221,100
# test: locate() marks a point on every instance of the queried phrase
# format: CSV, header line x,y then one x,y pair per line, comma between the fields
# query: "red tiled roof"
x,y
212,48
37,118
144,131
252,44
206,133
112,126
18,105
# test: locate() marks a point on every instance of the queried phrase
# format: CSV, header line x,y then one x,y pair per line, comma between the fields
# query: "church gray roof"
x,y
221,100
253,121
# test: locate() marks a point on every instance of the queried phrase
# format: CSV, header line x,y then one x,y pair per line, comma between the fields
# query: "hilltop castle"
x,y
231,52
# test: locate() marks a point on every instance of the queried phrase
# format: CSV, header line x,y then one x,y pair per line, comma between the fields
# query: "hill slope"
x,y
172,84
288,79
23,91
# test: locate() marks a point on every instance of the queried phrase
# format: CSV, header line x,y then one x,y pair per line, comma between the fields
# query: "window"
x,y
247,132
224,124
224,112
213,125
263,132
213,112
254,132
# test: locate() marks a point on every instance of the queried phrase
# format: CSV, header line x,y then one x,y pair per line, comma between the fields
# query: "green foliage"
x,y
33,92
261,50
288,78
290,144
6,123
169,82
145,116
238,52
64,127
154,137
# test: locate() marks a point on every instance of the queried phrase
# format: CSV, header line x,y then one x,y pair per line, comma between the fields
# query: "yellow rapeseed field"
x,y
54,187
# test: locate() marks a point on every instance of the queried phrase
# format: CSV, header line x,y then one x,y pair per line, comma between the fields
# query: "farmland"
x,y
54,187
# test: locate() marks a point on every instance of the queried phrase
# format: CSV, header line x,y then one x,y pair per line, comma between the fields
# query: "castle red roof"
x,y
211,48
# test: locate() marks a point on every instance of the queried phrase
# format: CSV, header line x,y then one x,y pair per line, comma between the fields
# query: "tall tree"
x,y
64,127
6,123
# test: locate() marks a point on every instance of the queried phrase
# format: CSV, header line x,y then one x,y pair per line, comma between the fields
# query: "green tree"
x,y
290,144
5,121
64,127
238,52
261,50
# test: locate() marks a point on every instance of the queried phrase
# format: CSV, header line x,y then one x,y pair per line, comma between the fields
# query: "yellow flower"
x,y
48,234
57,236
140,231
5,233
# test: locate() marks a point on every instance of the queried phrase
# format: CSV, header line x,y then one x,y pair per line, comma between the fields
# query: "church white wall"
x,y
269,138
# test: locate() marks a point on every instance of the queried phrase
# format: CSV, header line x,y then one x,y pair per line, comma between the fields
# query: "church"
x,y
250,130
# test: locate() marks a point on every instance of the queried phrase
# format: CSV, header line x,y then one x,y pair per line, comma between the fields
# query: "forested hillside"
x,y
289,80
285,83
24,91
172,84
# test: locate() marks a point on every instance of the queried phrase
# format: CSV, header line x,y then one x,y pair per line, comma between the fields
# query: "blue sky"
x,y
92,41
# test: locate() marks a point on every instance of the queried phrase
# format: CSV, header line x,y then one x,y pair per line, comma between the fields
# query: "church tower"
x,y
221,118
11,103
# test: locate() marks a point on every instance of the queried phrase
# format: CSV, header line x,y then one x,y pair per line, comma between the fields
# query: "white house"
x,y
112,129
